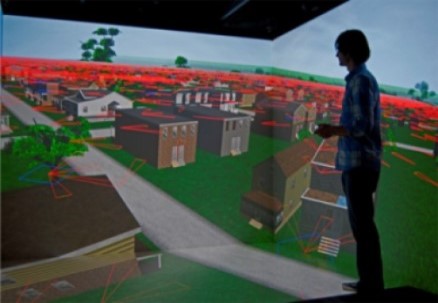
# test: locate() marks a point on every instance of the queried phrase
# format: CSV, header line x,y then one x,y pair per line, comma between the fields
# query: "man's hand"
x,y
325,130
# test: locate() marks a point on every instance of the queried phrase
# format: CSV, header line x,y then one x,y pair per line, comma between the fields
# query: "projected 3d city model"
x,y
193,179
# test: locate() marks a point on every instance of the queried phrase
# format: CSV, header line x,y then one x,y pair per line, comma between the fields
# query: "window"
x,y
174,131
85,109
234,125
103,108
240,123
192,129
227,125
164,133
183,131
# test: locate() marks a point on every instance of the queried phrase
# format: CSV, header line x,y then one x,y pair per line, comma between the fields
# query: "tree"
x,y
180,61
101,50
423,87
49,146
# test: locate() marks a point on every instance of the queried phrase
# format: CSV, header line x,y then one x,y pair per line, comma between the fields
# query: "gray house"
x,y
220,132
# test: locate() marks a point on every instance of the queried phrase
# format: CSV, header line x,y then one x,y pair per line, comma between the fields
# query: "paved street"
x,y
178,230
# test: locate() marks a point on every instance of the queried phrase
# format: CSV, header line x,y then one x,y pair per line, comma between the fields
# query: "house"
x,y
221,98
38,93
59,239
163,139
220,132
262,207
285,177
94,103
282,120
324,213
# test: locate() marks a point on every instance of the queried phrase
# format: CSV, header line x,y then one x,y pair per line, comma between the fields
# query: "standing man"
x,y
359,156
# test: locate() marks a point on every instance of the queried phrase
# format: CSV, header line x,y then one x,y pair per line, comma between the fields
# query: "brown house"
x,y
163,139
285,177
60,239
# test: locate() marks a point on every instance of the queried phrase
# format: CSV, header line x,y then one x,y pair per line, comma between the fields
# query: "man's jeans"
x,y
359,186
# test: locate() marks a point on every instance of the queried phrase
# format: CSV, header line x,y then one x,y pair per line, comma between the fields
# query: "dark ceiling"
x,y
262,19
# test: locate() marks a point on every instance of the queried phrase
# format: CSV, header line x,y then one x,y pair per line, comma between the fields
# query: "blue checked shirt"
x,y
362,147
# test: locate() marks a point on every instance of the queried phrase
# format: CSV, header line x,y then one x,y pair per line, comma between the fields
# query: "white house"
x,y
94,103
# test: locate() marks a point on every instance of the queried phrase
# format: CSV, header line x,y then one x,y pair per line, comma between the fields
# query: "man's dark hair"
x,y
353,42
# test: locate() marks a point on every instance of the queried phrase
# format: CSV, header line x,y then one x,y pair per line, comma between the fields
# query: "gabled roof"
x,y
293,158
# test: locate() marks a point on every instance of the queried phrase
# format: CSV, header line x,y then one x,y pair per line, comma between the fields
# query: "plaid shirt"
x,y
361,117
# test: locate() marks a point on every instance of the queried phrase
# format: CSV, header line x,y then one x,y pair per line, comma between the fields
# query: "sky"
x,y
401,33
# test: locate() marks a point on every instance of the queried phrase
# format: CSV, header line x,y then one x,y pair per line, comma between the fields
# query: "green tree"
x,y
181,61
423,87
102,50
45,145
259,70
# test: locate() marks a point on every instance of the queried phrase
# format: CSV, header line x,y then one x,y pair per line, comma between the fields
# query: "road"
x,y
178,230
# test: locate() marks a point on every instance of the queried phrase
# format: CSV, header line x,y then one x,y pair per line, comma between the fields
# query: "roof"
x,y
293,158
38,224
153,117
212,112
264,200
326,153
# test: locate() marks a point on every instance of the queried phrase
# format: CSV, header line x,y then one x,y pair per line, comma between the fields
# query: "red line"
x,y
209,118
123,279
315,238
91,180
326,171
53,186
26,286
108,280
43,291
140,128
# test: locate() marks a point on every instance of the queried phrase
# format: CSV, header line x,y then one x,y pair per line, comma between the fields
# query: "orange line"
x,y
108,280
25,288
385,163
312,240
418,136
53,185
124,278
425,178
401,157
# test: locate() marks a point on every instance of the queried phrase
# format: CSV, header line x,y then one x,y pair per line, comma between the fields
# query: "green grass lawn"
x,y
406,212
